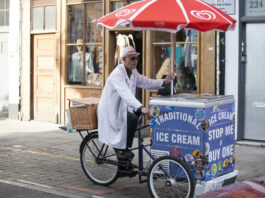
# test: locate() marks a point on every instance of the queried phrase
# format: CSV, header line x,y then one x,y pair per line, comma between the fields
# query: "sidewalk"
x,y
40,155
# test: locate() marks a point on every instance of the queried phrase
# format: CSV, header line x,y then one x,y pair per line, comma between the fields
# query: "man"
x,y
118,106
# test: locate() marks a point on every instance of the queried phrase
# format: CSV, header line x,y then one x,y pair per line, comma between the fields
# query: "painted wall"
x,y
25,60
14,58
3,71
232,62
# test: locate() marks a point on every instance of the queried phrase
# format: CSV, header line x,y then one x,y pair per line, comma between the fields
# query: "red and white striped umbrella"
x,y
170,16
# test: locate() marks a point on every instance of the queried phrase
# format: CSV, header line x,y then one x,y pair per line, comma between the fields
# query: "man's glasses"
x,y
134,58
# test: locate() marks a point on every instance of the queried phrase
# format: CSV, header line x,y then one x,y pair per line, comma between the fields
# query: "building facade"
x,y
9,58
66,55
251,45
4,32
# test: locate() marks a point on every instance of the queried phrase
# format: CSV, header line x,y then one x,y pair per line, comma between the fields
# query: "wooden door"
x,y
44,78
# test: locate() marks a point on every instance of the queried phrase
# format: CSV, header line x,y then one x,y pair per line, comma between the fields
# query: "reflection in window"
x,y
117,5
76,25
185,58
44,18
4,12
93,31
50,16
84,56
38,18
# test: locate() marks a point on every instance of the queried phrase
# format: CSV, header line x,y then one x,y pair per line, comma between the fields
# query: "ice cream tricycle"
x,y
191,150
192,147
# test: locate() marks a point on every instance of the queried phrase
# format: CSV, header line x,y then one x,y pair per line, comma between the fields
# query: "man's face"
x,y
130,61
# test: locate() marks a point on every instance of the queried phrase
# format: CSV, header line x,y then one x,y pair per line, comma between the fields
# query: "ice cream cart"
x,y
200,130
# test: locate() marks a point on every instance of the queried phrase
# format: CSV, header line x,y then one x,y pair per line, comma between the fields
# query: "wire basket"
x,y
84,113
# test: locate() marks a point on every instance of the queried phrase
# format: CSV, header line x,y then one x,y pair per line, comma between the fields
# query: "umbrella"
x,y
170,16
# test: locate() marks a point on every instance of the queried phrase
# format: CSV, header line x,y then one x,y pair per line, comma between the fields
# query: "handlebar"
x,y
140,119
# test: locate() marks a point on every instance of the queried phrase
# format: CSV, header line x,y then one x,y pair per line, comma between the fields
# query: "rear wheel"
x,y
99,161
169,177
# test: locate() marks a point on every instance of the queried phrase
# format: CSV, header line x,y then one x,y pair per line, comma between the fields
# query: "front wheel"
x,y
169,177
99,161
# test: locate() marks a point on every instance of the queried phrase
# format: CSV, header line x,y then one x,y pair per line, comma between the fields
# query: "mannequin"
x,y
75,70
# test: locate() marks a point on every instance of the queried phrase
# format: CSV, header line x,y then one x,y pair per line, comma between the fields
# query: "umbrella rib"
x,y
184,11
216,12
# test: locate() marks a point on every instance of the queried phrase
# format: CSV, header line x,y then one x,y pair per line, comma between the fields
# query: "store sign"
x,y
255,7
227,6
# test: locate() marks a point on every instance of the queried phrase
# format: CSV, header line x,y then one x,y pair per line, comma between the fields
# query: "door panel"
x,y
255,83
44,72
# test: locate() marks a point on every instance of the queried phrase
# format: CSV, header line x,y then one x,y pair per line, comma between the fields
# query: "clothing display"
x,y
75,69
76,24
180,54
191,49
122,41
164,53
89,32
164,69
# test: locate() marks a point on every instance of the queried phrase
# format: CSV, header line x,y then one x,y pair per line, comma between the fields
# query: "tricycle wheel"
x,y
99,161
169,177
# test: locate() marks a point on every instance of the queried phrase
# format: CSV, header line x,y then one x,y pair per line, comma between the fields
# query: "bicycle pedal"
x,y
133,173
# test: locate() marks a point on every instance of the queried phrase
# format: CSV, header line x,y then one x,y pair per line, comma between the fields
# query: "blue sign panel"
x,y
202,137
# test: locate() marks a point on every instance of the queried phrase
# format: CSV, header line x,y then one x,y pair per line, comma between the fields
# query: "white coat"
x,y
118,96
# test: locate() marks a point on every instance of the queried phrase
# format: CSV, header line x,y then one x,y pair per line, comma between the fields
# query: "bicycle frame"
x,y
141,148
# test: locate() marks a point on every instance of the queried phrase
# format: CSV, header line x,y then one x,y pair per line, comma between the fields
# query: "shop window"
x,y
84,44
185,58
116,4
4,13
44,18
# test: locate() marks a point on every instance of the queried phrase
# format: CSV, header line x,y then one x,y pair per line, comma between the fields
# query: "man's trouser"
x,y
132,121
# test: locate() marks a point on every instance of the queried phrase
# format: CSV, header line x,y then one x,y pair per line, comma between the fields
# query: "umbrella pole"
x,y
172,58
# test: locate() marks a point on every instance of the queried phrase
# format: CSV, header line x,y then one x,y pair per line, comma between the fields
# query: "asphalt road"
x,y
13,191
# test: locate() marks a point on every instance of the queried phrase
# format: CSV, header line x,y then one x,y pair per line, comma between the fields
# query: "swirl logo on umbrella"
x,y
204,14
160,23
124,12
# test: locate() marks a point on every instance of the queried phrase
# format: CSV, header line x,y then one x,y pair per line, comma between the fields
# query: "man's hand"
x,y
145,111
169,78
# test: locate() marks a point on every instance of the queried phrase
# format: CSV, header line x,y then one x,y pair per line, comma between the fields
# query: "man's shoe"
x,y
124,153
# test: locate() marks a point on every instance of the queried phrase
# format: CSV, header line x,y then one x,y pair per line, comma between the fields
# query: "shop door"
x,y
44,78
3,71
255,83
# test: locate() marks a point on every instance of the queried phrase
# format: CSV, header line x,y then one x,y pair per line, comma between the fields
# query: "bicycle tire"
x,y
175,177
97,171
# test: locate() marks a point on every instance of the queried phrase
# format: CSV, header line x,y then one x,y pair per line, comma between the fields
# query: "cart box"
x,y
199,129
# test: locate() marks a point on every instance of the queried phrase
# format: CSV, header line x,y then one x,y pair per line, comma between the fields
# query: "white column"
x,y
14,58
231,58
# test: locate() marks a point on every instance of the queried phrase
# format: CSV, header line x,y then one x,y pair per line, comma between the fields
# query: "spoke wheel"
x,y
169,177
99,161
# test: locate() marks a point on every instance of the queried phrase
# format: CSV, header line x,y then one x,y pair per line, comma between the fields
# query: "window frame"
x,y
43,28
84,44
